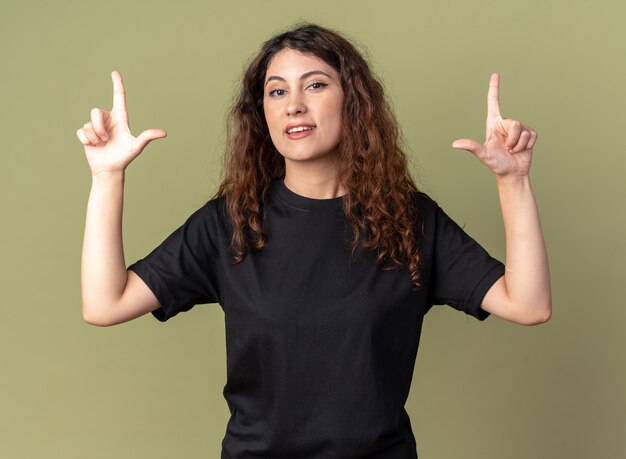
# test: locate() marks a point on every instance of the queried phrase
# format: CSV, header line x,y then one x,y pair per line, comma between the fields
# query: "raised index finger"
x,y
119,93
493,97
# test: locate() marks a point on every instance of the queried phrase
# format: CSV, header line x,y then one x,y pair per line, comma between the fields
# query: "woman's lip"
x,y
300,134
295,125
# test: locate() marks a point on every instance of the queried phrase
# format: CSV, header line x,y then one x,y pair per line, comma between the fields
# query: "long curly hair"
x,y
379,204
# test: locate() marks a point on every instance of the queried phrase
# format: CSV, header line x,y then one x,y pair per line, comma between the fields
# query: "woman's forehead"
x,y
290,61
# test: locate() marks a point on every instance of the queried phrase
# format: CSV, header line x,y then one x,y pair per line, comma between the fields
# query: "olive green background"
x,y
145,389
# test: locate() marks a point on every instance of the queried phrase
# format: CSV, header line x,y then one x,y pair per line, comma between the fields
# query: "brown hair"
x,y
380,193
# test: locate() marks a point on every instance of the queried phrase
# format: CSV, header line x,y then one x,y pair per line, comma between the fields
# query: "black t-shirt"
x,y
321,342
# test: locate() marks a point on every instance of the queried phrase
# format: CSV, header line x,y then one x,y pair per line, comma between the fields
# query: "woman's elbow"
x,y
92,318
539,316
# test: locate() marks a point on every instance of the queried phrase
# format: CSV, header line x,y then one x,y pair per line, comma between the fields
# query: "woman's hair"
x,y
380,193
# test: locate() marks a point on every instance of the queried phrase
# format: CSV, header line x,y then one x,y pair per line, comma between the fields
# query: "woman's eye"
x,y
317,85
277,92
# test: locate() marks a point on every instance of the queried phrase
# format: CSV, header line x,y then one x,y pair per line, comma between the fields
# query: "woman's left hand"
x,y
508,147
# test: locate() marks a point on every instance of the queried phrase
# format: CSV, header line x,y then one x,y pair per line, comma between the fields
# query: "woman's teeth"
x,y
299,129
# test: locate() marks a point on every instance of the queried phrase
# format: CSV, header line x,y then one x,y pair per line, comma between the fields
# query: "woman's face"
x,y
303,101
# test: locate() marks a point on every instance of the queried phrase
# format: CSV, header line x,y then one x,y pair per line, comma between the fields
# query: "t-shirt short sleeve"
x,y
462,271
182,270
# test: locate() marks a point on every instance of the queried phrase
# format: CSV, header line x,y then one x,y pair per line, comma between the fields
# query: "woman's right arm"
x,y
110,293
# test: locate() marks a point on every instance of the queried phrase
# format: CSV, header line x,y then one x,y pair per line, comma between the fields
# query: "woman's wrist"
x,y
513,181
108,176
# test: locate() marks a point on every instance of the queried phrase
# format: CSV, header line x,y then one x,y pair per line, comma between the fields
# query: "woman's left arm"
x,y
523,294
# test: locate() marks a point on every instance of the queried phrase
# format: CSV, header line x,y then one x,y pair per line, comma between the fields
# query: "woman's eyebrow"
x,y
302,77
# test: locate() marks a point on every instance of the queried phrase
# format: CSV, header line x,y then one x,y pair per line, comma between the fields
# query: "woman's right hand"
x,y
109,144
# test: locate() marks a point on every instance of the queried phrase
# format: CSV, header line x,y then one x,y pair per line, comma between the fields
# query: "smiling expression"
x,y
302,102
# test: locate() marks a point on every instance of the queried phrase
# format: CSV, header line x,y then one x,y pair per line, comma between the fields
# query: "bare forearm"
x,y
527,274
103,268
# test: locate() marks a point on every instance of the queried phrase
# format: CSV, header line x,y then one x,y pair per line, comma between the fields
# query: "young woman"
x,y
319,248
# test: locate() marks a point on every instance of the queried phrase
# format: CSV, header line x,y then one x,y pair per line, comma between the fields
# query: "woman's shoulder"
x,y
422,202
427,214
212,212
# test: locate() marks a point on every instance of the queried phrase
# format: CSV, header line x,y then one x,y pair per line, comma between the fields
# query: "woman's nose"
x,y
295,104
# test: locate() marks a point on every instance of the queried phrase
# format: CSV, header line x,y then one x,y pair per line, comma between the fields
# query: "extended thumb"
x,y
467,144
149,135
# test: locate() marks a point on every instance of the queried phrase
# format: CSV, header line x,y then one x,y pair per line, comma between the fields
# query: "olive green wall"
x,y
150,390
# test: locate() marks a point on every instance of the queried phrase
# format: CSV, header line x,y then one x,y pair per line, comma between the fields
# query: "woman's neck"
x,y
316,182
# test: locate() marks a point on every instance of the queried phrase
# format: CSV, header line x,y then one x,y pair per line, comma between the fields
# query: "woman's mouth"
x,y
299,132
